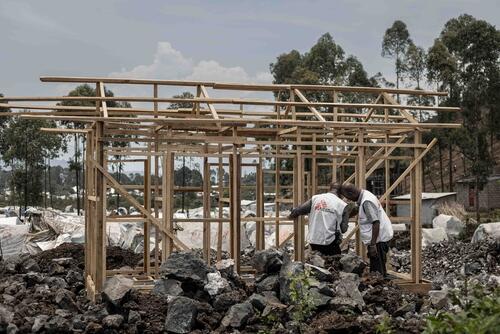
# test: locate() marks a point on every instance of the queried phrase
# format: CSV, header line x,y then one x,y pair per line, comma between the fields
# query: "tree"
x,y
395,44
415,60
475,44
442,71
24,149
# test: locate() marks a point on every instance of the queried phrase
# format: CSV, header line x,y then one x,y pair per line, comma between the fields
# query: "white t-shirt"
x,y
365,226
325,218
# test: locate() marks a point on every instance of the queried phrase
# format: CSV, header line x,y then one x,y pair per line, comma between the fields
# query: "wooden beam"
x,y
305,100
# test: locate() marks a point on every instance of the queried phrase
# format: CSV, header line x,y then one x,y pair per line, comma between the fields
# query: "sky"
x,y
228,41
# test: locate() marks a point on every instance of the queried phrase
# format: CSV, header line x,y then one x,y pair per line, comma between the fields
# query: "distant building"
x,y
430,202
489,197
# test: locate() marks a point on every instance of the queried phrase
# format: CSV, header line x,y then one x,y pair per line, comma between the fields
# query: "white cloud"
x,y
169,63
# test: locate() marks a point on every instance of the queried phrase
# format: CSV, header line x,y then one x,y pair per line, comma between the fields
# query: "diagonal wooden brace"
x,y
118,187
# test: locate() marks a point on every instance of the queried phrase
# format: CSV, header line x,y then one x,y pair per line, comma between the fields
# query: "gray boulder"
x,y
438,298
117,289
185,266
216,284
289,269
347,289
320,273
113,321
269,283
268,260
225,300
352,263
238,315
167,287
260,301
66,300
319,299
181,315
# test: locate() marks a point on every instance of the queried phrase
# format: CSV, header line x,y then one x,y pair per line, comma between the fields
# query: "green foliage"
x,y
384,326
324,63
415,60
177,105
24,148
395,44
301,297
479,314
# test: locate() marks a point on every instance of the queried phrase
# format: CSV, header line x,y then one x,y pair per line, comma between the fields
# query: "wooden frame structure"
x,y
304,145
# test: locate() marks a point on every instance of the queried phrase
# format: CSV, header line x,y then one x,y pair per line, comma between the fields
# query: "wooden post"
x,y
361,183
206,208
235,167
100,218
259,192
416,228
220,182
167,202
147,206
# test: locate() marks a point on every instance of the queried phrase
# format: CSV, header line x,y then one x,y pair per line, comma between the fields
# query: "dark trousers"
x,y
331,249
377,263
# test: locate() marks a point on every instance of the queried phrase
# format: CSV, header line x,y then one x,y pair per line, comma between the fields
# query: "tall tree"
x,y
442,70
395,44
475,44
24,149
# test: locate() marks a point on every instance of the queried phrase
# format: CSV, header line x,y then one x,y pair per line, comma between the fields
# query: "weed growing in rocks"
x,y
479,313
301,297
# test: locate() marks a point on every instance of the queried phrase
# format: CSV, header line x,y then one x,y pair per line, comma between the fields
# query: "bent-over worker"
x,y
374,225
328,220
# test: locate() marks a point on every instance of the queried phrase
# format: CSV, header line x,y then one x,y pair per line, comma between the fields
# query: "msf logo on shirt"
x,y
320,206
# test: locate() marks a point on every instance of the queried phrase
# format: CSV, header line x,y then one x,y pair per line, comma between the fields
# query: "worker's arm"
x,y
301,210
371,212
350,210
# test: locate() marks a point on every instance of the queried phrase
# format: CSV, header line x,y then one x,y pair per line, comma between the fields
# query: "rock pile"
x,y
451,261
325,294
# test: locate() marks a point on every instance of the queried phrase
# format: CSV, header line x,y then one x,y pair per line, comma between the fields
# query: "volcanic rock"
x,y
181,315
186,266
238,315
352,263
268,260
116,290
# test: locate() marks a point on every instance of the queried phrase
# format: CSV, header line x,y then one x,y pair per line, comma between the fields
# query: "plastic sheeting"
x,y
488,230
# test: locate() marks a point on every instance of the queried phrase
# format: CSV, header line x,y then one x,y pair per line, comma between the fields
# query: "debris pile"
x,y
446,262
45,293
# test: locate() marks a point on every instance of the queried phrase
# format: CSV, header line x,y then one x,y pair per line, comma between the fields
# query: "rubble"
x,y
191,296
447,262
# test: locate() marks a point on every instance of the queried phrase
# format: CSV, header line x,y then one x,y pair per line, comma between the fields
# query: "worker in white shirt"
x,y
328,220
374,225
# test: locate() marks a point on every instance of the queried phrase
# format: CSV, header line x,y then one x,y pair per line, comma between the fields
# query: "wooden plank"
x,y
204,93
313,110
239,86
102,94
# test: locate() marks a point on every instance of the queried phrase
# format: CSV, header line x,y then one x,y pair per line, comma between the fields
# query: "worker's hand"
x,y
372,250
